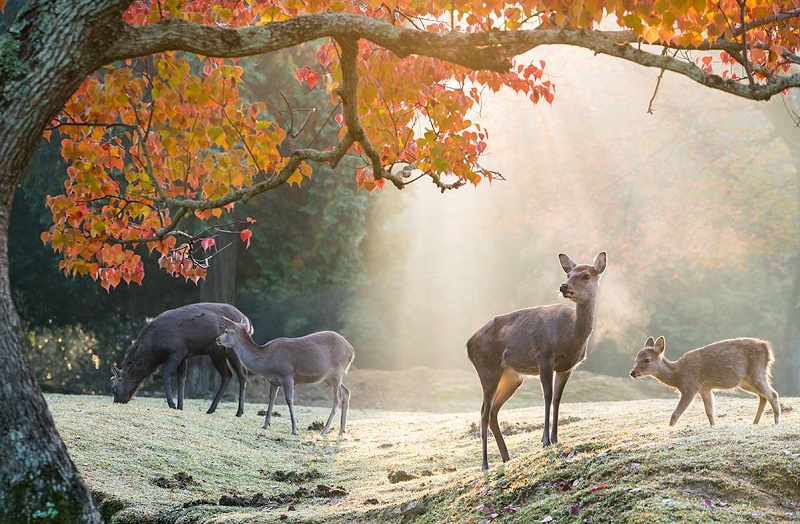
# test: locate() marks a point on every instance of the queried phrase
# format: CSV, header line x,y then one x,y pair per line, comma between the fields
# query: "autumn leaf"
x,y
245,235
207,243
708,504
311,79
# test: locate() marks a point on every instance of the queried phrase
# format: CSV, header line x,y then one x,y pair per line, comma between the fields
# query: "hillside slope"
x,y
618,462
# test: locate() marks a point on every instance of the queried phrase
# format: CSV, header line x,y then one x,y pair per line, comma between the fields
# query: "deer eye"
x,y
586,277
647,360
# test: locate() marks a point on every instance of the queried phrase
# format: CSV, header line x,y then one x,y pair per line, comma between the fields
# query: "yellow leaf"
x,y
296,178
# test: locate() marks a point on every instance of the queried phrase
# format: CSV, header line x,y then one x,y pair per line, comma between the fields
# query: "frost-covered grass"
x,y
618,462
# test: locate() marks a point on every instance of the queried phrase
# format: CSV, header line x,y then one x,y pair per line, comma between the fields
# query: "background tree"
x,y
168,142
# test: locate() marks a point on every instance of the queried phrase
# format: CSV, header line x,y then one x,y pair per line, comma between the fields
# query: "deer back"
x,y
311,357
724,364
185,331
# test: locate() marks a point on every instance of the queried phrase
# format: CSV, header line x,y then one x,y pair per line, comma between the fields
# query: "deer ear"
x,y
600,262
566,263
660,345
650,342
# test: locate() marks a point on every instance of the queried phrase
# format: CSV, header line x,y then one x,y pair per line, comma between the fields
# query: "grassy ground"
x,y
618,462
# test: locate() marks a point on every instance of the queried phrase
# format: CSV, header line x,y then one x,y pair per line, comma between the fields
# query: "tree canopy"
x,y
151,141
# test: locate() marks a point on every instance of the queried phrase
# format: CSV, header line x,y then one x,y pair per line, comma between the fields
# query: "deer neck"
x,y
137,366
251,354
584,320
668,373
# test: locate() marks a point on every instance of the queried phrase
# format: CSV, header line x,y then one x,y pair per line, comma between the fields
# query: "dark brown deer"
x,y
739,363
549,341
285,362
169,340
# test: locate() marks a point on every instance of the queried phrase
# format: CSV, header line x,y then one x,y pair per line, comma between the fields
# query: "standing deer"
x,y
170,339
544,340
285,362
739,363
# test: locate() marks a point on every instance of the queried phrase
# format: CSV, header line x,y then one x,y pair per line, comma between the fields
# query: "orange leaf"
x,y
245,235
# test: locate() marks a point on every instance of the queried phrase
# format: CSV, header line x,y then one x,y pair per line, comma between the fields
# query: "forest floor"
x,y
412,453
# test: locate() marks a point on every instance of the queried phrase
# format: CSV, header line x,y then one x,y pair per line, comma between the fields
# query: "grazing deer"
x,y
168,341
285,362
739,363
544,340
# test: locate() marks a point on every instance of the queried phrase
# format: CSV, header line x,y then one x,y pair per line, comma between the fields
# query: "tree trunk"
x,y
38,481
218,286
44,55
787,370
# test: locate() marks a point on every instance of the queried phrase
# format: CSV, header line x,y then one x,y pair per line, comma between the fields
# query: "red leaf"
x,y
207,243
245,235
302,73
574,509
339,119
311,79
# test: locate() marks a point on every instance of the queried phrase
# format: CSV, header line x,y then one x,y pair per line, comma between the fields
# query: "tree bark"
x,y
44,55
218,286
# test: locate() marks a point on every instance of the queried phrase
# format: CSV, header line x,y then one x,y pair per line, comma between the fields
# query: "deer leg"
x,y
170,367
683,403
489,380
288,393
183,370
273,392
766,393
546,378
220,362
762,403
485,433
708,403
558,390
241,375
509,382
336,400
345,394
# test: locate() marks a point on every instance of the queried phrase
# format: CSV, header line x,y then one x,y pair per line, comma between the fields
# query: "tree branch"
x,y
487,50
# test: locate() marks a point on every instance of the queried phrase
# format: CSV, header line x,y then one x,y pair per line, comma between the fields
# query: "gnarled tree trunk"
x,y
44,55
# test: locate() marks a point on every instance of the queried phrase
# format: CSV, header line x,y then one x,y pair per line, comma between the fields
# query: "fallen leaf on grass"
x,y
598,487
708,504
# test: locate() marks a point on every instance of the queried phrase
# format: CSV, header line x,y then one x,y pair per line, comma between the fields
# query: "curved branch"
x,y
487,50
176,34
332,156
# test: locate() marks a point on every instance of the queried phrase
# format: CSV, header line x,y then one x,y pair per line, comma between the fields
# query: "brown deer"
x,y
739,363
168,341
285,362
549,341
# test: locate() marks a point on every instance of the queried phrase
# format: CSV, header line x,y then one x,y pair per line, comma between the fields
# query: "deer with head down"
x,y
739,363
549,341
284,362
168,341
